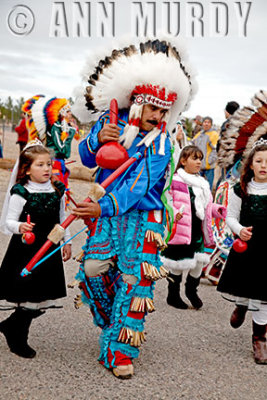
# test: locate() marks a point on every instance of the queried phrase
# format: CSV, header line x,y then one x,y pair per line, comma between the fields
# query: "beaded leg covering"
x,y
99,292
126,299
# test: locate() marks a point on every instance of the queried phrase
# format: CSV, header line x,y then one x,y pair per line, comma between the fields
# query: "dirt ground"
x,y
189,355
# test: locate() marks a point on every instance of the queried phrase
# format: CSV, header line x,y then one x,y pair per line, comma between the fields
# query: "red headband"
x,y
153,95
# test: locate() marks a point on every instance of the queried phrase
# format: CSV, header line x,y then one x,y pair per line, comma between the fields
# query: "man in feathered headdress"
x,y
153,85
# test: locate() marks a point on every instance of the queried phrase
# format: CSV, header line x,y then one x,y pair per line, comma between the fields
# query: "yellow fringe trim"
x,y
155,237
78,257
78,302
135,338
152,273
142,305
72,284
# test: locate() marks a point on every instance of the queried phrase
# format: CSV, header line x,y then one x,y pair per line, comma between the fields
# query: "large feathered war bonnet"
x,y
42,113
146,72
247,128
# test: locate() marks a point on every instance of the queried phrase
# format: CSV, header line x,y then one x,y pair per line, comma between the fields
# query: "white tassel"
x,y
163,135
162,144
131,131
148,139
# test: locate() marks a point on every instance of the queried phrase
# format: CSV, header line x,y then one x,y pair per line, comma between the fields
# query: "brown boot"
x,y
238,316
260,351
259,343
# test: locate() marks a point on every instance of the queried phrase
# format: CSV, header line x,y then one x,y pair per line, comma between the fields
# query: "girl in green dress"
x,y
244,279
33,195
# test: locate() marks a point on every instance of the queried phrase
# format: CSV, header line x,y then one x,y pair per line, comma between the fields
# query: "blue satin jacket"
x,y
141,187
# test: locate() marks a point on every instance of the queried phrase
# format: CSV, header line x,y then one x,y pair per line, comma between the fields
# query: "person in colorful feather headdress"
x,y
242,129
153,84
50,120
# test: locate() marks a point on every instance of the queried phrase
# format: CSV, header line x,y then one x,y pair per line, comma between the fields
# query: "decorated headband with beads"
x,y
149,94
259,142
65,109
32,143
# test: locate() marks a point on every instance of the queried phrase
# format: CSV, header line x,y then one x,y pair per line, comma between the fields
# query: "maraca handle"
x,y
28,219
113,112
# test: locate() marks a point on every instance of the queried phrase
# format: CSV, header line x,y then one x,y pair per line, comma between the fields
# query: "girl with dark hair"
x,y
34,205
245,275
193,210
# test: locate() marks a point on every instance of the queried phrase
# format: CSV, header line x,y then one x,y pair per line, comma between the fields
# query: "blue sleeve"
x,y
89,146
141,179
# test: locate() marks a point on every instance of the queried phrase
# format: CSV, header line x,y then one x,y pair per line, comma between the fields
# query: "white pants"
x,y
260,317
259,310
194,272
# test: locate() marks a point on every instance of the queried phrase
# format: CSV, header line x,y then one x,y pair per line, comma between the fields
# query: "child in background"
x,y
34,195
245,274
185,250
180,135
22,132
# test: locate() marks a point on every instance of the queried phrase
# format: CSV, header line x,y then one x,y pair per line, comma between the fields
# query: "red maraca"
x,y
112,154
240,246
28,237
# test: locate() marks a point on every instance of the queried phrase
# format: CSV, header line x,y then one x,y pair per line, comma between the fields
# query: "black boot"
x,y
259,343
8,328
174,298
191,291
16,330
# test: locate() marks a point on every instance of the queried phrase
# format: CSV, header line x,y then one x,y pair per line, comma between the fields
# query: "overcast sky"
x,y
229,53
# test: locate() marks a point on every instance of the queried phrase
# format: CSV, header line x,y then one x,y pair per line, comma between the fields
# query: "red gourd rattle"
x,y
240,246
112,154
28,237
